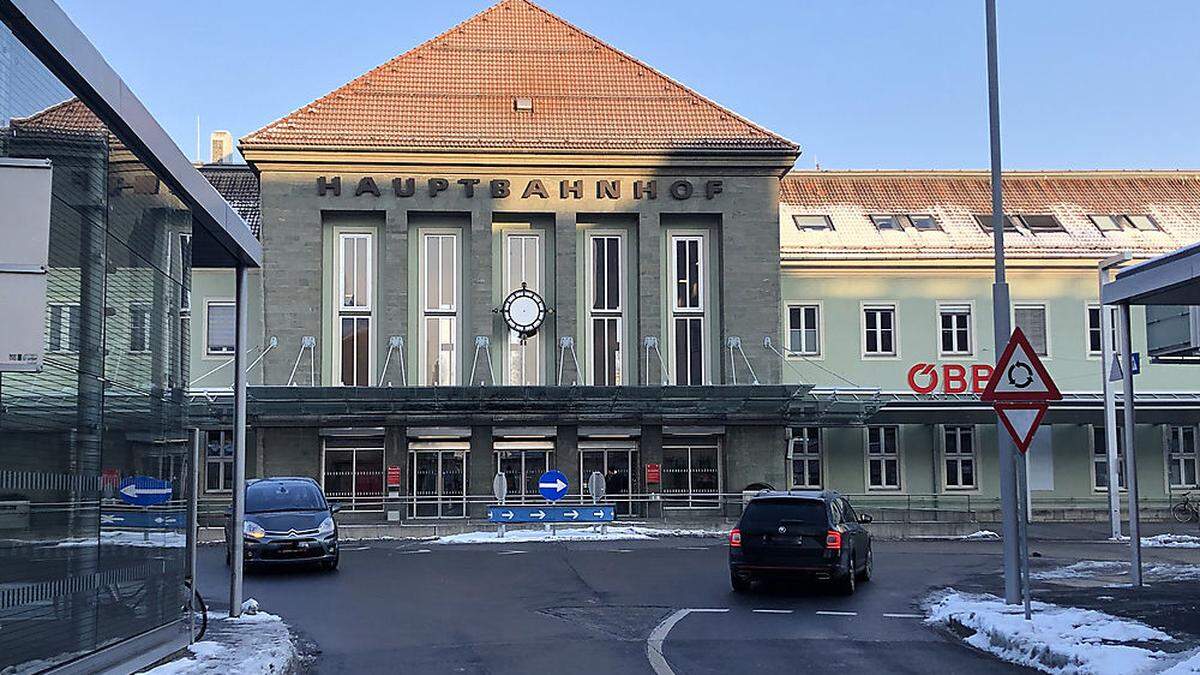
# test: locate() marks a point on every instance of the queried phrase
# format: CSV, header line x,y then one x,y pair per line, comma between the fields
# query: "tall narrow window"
x,y
523,265
220,327
1100,459
1095,329
959,450
954,326
1031,319
218,460
805,457
355,305
1182,456
883,459
139,327
606,307
804,330
64,328
879,330
439,309
688,308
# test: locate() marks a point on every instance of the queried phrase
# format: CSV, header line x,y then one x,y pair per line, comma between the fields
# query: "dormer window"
x,y
805,222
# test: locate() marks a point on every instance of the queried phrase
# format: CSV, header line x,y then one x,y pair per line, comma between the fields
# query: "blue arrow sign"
x,y
585,513
144,491
143,519
553,485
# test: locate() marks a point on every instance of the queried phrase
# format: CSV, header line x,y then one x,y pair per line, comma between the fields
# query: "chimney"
x,y
222,147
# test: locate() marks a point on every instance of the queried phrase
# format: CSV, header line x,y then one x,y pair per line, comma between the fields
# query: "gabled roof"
x,y
954,198
67,117
458,92
238,184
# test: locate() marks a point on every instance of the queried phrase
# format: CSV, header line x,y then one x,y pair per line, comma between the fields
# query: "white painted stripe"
x,y
894,615
511,552
622,550
356,548
420,550
654,643
825,612
772,611
691,548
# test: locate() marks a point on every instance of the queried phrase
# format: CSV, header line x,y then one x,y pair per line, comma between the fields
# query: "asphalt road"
x,y
592,607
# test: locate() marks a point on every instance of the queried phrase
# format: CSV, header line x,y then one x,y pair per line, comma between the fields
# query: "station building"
x,y
707,319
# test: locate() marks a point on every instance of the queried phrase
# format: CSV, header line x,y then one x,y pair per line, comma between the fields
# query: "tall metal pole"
x,y
1002,325
1131,484
1107,351
237,547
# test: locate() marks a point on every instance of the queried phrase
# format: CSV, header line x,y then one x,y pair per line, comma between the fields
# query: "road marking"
x,y
826,612
772,611
622,550
654,643
894,615
420,550
356,548
691,548
511,552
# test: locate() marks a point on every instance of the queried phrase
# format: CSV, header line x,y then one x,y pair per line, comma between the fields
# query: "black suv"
x,y
287,521
800,534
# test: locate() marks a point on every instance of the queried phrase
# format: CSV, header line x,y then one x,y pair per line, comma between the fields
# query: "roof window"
x,y
1038,224
1117,222
523,104
924,222
812,222
985,223
895,223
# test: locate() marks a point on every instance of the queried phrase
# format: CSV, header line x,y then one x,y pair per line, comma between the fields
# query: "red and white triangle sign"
x,y
1020,375
1021,420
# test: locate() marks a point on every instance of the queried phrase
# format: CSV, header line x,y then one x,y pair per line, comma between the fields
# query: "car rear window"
x,y
767,513
283,496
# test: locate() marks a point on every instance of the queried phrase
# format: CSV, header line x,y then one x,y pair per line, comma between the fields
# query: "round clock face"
x,y
524,311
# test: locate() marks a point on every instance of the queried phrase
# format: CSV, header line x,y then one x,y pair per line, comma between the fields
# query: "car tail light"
x,y
833,540
735,538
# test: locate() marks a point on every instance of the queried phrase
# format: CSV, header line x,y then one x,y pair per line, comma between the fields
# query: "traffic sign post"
x,y
1021,390
553,485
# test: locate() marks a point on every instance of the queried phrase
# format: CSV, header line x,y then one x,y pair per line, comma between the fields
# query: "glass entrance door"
x,y
439,486
619,466
353,477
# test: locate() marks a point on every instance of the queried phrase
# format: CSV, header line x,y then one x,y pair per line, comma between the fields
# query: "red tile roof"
x,y
954,198
458,91
70,116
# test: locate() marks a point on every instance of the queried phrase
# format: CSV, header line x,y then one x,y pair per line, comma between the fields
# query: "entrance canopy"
x,y
1171,279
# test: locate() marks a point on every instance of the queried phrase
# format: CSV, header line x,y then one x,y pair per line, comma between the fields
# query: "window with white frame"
x,y
522,468
879,330
1031,319
883,458
439,309
523,260
954,329
691,475
1182,456
805,457
355,303
958,449
220,327
804,330
218,460
688,308
64,328
1100,459
606,307
139,327
1095,329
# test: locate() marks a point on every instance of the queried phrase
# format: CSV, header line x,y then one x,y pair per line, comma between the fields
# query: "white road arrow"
x,y
507,515
558,485
133,491
572,514
539,514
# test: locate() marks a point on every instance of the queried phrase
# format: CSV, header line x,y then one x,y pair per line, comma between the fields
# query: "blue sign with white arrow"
x,y
144,491
553,485
586,513
143,519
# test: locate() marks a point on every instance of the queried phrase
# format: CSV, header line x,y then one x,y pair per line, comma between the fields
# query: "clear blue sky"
x,y
858,84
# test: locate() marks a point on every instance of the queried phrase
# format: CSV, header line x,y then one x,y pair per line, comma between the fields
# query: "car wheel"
x,y
849,583
869,568
332,565
740,584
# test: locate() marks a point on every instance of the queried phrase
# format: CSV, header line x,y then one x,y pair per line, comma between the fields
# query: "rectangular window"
x,y
523,267
220,327
185,256
353,473
959,450
1031,319
521,469
805,222
879,330
1094,329
355,262
64,328
924,222
954,326
883,459
1100,459
139,327
1106,223
804,330
439,307
691,476
805,457
1041,223
1144,223
888,222
218,460
985,223
606,308
688,313
1182,456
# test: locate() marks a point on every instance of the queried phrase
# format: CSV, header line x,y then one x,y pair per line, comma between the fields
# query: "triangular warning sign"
x,y
1021,420
1020,375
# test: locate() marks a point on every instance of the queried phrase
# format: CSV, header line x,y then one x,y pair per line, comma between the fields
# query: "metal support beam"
x,y
1131,484
1107,351
239,445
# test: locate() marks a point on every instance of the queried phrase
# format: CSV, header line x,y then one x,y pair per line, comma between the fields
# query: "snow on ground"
x,y
1057,639
980,535
256,644
1171,541
136,538
1086,569
612,533
1187,665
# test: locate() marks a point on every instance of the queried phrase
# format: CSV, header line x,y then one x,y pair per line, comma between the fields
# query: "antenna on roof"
x,y
817,163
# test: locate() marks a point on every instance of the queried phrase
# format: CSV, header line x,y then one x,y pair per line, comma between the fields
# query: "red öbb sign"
x,y
949,378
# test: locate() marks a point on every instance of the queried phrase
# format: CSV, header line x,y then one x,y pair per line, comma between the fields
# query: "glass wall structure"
x,y
81,568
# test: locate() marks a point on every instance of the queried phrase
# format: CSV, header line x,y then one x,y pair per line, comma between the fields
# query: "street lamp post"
x,y
1107,351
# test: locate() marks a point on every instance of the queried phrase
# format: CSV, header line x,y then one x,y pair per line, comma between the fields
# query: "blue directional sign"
x,y
586,513
143,519
144,491
553,485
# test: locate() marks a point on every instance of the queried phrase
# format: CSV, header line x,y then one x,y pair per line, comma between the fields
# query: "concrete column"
x,y
480,469
392,281
649,294
566,456
565,301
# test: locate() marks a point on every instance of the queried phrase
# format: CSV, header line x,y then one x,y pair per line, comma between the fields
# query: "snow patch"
x,y
259,644
1086,569
612,533
1057,640
1171,541
981,535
